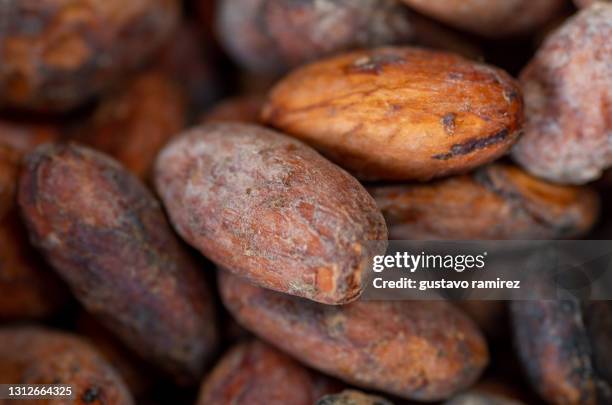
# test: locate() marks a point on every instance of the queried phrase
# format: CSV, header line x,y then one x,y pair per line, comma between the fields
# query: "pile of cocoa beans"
x,y
189,189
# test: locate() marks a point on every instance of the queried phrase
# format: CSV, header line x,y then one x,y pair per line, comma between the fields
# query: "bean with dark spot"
x,y
341,106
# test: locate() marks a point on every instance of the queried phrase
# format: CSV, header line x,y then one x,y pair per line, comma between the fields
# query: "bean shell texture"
x,y
34,355
256,373
399,113
422,350
568,101
497,201
270,209
57,54
107,236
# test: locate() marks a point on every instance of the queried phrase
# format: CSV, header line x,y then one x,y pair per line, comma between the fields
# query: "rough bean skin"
x,y
399,113
568,101
564,349
270,209
498,201
133,125
491,18
58,54
28,288
275,35
423,350
256,373
352,397
32,355
107,236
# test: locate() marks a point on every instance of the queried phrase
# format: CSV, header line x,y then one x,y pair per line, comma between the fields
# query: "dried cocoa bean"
x,y
270,209
423,350
400,113
107,236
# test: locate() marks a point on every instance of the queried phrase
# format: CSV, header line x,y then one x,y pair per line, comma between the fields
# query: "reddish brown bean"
x,y
424,350
270,209
31,355
107,236
568,101
276,35
564,349
58,54
133,125
256,373
400,113
498,201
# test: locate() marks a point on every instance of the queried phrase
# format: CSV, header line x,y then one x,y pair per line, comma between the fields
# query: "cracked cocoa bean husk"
x,y
34,355
564,347
256,373
497,201
134,124
568,102
56,55
271,209
492,18
107,236
400,113
422,350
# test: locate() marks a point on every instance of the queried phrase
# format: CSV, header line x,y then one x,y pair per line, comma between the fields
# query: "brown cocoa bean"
x,y
497,201
568,102
400,113
423,350
58,54
496,18
270,209
33,355
564,349
256,373
133,125
107,236
478,398
275,35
